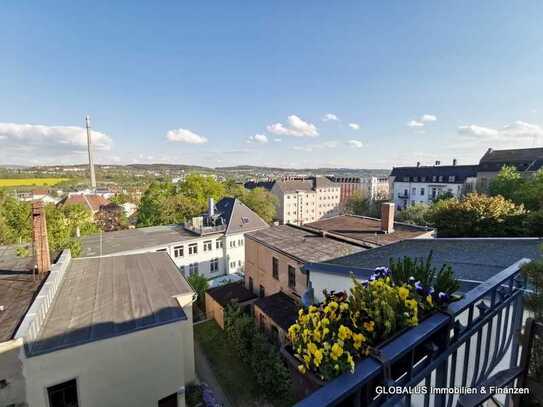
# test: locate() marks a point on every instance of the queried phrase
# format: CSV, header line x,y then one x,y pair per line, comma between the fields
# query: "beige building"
x,y
372,188
95,332
306,200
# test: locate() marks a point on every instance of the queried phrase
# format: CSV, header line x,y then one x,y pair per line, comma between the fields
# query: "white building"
x,y
422,184
306,200
372,188
211,245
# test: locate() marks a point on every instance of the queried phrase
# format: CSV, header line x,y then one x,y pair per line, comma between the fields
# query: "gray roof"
x,y
110,296
302,244
133,239
472,259
239,217
308,184
524,159
415,174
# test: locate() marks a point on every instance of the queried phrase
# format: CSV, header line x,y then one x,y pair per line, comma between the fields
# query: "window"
x,y
239,263
193,268
275,268
232,243
232,264
262,292
414,191
251,284
434,179
208,246
452,178
218,244
440,178
182,270
178,251
193,248
422,191
240,242
63,395
291,277
214,265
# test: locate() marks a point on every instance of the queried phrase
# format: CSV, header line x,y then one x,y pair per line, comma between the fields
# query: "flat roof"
x,y
472,259
367,230
232,292
134,239
105,297
303,244
282,309
18,288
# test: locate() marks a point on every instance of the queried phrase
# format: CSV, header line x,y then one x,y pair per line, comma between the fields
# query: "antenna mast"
x,y
91,157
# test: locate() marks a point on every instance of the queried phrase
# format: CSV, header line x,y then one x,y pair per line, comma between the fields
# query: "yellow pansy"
x,y
311,347
344,333
313,309
403,293
429,299
369,326
344,306
337,351
317,336
358,339
318,357
301,369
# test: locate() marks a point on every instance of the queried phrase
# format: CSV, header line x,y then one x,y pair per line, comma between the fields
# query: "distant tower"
x,y
91,158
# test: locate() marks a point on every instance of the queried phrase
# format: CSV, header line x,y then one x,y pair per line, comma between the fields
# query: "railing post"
x,y
441,371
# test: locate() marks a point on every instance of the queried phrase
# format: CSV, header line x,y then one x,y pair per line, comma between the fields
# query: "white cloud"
x,y
425,118
515,131
330,117
414,123
296,128
185,136
421,121
277,140
354,126
258,138
355,143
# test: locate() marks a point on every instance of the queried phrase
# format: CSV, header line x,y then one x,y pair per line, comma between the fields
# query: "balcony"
x,y
203,230
462,347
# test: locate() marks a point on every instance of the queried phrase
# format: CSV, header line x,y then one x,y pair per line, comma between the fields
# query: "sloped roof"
x,y
524,159
460,172
259,184
110,296
238,216
93,202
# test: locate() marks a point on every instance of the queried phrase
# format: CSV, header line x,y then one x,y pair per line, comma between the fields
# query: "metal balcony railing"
x,y
460,348
204,230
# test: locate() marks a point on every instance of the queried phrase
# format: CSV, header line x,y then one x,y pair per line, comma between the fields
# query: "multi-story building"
x,y
526,160
211,245
275,258
372,188
302,200
108,331
423,184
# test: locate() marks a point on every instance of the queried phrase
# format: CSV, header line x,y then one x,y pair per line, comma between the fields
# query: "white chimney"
x,y
210,207
91,153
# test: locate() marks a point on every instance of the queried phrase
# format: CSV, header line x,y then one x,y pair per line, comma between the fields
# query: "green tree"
x,y
530,193
15,222
357,205
178,208
120,198
262,202
507,183
200,188
151,204
200,284
234,189
415,214
477,215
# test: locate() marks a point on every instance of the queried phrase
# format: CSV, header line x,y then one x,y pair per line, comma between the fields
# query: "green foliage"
x,y
177,209
525,190
262,202
477,216
357,205
200,284
120,198
444,196
271,375
415,214
150,207
200,188
507,183
15,223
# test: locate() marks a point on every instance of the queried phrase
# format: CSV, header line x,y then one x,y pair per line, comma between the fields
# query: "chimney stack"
x,y
387,217
438,163
39,237
91,154
418,164
210,207
454,162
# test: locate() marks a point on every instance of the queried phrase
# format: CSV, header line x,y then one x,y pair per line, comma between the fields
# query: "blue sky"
x,y
208,82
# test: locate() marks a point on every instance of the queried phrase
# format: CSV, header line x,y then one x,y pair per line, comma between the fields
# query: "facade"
x,y
423,184
372,188
218,298
109,331
211,245
302,200
526,161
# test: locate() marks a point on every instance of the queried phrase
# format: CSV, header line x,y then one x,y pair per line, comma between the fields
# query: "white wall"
x,y
136,369
414,193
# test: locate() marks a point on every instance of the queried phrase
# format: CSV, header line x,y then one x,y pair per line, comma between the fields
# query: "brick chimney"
x,y
39,237
387,217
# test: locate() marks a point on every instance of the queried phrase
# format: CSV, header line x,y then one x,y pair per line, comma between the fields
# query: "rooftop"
x,y
238,216
367,230
472,259
306,184
105,297
524,159
93,202
228,293
133,239
303,244
18,288
460,172
281,308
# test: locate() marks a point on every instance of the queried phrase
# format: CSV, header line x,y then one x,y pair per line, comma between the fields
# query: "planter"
x,y
303,384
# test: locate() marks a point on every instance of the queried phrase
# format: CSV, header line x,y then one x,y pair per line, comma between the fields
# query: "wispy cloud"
x,y
422,120
515,131
355,143
296,127
354,126
185,136
258,138
330,117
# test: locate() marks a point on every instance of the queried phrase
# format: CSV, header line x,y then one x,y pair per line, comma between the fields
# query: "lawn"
x,y
25,182
232,374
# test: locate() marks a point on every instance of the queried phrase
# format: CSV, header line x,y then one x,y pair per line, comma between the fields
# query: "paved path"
x,y
206,375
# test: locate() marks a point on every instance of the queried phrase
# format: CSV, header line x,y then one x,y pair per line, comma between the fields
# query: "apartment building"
x,y
275,259
372,188
302,200
423,184
211,245
93,332
526,160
